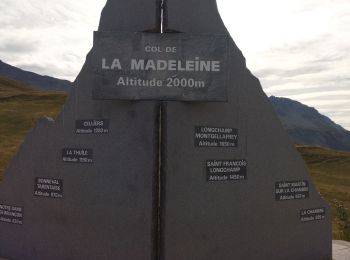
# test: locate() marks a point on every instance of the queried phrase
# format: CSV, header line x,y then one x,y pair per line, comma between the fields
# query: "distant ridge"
x,y
10,88
34,80
307,126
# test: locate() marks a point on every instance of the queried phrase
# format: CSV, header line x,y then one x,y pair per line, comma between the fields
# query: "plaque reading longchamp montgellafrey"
x,y
48,188
92,126
153,66
11,214
206,136
226,170
76,155
309,215
291,190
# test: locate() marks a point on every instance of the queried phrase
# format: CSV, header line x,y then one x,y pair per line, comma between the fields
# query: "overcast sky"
x,y
299,49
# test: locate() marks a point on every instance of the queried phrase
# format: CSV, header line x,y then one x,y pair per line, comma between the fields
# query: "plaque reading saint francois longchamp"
x,y
146,66
226,170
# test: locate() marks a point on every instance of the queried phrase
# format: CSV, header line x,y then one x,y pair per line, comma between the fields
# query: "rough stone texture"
x,y
232,220
108,208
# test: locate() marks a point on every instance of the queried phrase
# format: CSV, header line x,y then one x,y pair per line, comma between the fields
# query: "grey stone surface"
x,y
233,219
108,207
341,250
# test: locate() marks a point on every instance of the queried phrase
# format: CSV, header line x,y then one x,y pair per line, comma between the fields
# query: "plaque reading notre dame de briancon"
x,y
11,214
146,66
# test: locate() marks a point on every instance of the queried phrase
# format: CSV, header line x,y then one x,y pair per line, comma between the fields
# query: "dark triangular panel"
x,y
83,187
253,199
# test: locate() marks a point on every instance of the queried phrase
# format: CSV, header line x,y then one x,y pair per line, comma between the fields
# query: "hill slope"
x,y
20,108
306,125
330,171
34,80
10,88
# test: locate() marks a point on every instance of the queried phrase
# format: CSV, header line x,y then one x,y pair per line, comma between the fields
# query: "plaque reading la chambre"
x,y
309,215
147,66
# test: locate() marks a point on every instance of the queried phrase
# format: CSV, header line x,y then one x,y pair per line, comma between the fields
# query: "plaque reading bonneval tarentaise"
x,y
147,66
48,188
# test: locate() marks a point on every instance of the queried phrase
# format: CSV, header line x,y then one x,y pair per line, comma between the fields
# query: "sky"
x,y
299,49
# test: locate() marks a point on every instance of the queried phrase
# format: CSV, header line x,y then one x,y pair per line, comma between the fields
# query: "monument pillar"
x,y
233,185
85,186
167,148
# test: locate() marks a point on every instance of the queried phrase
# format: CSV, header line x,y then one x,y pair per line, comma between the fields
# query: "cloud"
x,y
48,37
300,50
18,47
295,47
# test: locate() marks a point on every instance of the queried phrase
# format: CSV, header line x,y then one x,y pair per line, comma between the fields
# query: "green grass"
x,y
21,107
330,171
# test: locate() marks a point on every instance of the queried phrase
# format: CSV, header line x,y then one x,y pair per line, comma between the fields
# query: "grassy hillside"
x,y
330,171
21,107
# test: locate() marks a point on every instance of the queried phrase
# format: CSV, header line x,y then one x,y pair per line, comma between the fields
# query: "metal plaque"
x,y
206,136
48,188
11,214
153,66
226,170
291,190
309,215
92,126
76,155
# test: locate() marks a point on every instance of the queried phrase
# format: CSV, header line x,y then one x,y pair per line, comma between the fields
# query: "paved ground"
x,y
341,250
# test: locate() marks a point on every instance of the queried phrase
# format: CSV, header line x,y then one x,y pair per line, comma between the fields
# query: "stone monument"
x,y
167,148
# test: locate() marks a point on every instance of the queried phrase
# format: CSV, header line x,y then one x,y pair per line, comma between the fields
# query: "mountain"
x,y
34,80
10,88
304,124
307,126
20,108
